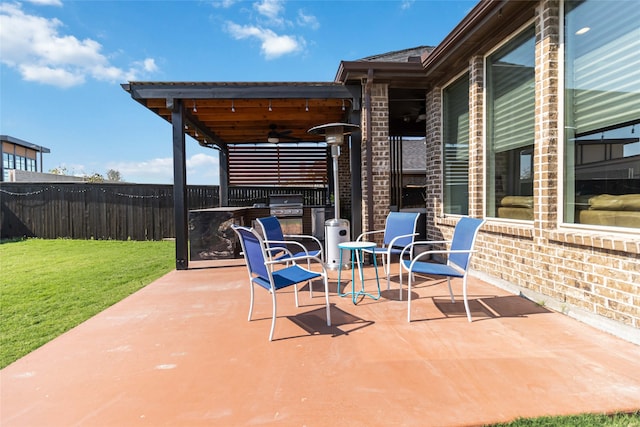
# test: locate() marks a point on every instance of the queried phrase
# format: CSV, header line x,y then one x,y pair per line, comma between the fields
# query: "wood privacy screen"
x,y
279,165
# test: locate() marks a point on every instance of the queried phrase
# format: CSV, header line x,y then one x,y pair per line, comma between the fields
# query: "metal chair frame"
x,y
262,271
458,260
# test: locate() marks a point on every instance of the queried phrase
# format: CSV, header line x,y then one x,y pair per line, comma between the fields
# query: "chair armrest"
x,y
423,242
295,260
288,242
424,254
402,236
305,236
366,233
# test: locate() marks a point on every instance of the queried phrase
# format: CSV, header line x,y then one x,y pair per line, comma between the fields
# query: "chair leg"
x,y
326,297
453,299
388,273
409,298
400,274
310,285
251,285
295,293
464,297
385,268
273,316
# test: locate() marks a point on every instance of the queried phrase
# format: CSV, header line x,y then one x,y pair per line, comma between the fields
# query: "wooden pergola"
x,y
221,115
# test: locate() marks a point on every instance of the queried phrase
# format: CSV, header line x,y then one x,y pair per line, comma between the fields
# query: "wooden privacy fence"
x,y
94,210
117,211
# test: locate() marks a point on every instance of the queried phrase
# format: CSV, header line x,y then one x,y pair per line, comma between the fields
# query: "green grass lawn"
x,y
49,286
584,420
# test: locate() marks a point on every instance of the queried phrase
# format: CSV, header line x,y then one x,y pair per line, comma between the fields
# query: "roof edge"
x,y
26,144
478,15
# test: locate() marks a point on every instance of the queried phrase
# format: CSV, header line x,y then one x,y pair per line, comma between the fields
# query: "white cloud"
x,y
224,3
46,2
202,160
406,4
269,8
33,46
149,171
308,21
272,44
202,169
51,76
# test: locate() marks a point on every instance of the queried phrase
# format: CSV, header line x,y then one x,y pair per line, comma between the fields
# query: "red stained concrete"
x,y
180,352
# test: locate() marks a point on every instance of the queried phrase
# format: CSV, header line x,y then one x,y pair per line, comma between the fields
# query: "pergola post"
x,y
355,161
179,185
223,160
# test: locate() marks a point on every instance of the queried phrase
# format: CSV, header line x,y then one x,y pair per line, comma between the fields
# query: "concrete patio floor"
x,y
180,352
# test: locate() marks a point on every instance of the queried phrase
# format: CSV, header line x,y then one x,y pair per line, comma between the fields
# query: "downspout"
x,y
367,103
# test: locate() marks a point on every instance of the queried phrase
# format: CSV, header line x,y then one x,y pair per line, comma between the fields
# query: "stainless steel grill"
x,y
288,208
286,205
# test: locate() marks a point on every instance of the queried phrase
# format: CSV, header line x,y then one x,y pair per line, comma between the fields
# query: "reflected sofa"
x,y
516,207
611,210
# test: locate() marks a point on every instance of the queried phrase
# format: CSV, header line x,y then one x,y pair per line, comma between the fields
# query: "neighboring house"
x,y
530,113
19,155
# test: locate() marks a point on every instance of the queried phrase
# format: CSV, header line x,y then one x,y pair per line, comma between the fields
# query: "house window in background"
x,y
455,99
602,113
510,86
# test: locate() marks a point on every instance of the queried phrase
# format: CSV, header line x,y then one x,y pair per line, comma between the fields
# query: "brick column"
x,y
344,181
380,159
434,181
476,137
545,184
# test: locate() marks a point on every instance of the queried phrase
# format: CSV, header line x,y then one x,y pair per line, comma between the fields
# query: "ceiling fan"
x,y
274,136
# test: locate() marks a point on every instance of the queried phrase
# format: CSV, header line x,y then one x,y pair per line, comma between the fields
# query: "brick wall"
x,y
585,274
476,136
591,274
380,165
344,180
433,189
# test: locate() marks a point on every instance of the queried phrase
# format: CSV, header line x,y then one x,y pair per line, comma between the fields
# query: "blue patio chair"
x,y
458,259
261,271
399,231
281,246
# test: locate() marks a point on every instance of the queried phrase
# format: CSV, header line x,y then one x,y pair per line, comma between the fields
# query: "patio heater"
x,y
336,230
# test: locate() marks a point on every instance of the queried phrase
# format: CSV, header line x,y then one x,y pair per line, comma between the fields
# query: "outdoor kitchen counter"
x,y
210,233
211,236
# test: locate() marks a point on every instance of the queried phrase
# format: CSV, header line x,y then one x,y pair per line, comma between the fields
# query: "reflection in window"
x,y
510,128
455,100
602,113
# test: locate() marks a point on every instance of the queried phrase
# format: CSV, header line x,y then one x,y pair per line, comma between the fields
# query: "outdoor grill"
x,y
288,208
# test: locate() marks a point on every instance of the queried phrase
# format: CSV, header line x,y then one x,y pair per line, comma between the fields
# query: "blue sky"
x,y
62,64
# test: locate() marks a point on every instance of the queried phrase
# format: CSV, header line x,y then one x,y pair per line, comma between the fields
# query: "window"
x,y
510,128
602,113
8,161
455,99
21,163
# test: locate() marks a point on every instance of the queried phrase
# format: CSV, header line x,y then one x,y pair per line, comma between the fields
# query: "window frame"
x,y
448,84
485,122
562,224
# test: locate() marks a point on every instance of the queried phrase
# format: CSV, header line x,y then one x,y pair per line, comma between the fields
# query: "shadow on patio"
x,y
181,352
